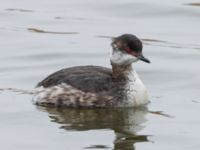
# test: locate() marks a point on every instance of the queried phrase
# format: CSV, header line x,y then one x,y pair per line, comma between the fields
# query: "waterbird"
x,y
97,86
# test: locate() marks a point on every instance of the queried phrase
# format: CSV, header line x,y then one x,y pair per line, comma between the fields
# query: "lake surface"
x,y
40,37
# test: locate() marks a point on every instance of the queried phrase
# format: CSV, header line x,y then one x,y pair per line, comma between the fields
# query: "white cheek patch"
x,y
120,58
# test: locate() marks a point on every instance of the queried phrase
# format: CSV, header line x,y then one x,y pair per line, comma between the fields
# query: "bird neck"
x,y
121,70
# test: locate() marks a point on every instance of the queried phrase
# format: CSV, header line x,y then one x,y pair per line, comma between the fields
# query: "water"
x,y
40,37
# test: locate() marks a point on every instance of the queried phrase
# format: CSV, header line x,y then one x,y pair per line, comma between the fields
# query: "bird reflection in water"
x,y
125,122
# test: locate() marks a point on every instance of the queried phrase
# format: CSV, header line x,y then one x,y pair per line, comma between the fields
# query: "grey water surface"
x,y
38,37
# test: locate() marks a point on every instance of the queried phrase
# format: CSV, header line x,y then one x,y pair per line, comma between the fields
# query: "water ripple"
x,y
193,4
35,30
18,10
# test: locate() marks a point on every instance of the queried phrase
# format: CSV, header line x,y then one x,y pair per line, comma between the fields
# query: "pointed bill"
x,y
141,57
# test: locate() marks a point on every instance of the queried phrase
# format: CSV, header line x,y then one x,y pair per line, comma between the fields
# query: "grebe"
x,y
95,86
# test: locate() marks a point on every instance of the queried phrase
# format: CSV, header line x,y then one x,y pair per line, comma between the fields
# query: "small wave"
x,y
98,147
49,32
20,91
161,113
19,10
162,43
193,4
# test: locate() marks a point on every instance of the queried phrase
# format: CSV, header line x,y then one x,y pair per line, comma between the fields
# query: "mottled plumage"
x,y
95,86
